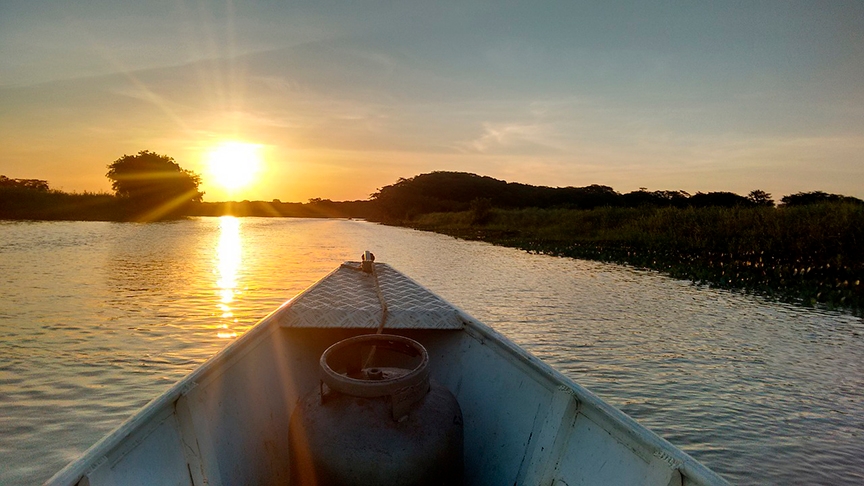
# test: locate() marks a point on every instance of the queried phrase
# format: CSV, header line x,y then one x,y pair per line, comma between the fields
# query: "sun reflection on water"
x,y
229,258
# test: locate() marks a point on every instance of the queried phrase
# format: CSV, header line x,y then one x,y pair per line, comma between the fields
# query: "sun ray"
x,y
166,207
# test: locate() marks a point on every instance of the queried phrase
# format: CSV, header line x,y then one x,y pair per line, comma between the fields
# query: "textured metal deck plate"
x,y
347,299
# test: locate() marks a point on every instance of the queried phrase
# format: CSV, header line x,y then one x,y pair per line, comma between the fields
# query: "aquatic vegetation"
x,y
806,254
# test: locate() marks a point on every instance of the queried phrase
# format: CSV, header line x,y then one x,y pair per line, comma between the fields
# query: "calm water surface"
x,y
98,318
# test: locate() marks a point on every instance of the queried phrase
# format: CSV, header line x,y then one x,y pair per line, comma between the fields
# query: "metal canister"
x,y
375,421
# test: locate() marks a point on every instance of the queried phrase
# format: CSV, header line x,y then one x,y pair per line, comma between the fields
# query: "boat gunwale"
x,y
608,414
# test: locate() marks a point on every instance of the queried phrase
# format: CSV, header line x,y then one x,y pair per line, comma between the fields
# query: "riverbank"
x,y
808,255
21,203
18,203
805,251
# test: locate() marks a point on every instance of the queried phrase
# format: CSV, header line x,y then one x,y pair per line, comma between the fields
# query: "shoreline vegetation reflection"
x,y
804,250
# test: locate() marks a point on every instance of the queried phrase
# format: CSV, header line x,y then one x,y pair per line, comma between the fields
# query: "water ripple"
x,y
98,318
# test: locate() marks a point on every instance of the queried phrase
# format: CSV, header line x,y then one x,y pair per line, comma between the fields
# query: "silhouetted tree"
x,y
435,192
32,184
454,191
643,197
718,199
154,183
588,197
816,197
760,198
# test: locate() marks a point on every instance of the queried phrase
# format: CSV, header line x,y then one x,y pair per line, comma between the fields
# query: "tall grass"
x,y
807,254
23,203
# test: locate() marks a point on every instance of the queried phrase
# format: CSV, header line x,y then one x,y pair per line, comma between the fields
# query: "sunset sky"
x,y
337,99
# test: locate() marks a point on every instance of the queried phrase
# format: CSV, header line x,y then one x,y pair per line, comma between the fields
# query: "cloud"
x,y
505,134
554,94
510,137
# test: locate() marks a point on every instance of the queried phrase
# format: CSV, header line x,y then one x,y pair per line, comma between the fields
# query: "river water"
x,y
98,318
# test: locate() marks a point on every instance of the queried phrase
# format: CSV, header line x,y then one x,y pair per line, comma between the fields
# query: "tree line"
x,y
460,191
148,186
38,185
807,252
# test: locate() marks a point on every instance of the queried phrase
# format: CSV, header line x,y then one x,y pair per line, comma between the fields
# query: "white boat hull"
x,y
524,422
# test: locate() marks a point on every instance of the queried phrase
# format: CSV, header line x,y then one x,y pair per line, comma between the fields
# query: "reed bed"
x,y
27,204
810,255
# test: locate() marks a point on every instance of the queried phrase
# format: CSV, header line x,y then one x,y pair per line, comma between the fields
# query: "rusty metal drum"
x,y
376,418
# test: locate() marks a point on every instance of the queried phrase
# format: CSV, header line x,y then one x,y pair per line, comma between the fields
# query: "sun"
x,y
233,165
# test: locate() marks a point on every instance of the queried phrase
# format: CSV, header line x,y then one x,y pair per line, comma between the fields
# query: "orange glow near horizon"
x,y
233,166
